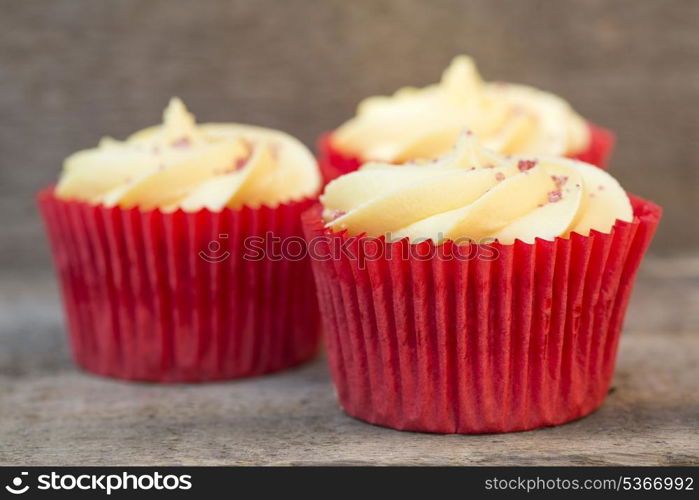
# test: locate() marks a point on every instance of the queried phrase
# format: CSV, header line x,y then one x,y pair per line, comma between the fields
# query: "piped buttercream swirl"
x,y
425,122
477,194
181,164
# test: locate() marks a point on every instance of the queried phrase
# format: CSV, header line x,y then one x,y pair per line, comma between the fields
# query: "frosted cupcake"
x,y
424,124
478,292
168,249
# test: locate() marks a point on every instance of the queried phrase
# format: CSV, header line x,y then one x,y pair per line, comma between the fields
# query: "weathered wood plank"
x,y
52,414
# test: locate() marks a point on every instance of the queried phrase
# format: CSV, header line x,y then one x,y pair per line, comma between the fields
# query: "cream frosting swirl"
x,y
181,164
475,193
424,123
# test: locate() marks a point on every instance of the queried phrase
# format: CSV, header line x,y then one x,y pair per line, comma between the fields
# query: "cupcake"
x,y
478,292
424,123
169,249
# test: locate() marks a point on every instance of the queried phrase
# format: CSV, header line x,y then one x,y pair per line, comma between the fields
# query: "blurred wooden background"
x,y
74,70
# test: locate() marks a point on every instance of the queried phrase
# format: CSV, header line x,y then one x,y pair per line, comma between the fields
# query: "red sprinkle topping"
x,y
559,180
240,162
524,165
275,148
243,160
555,196
500,176
336,214
181,143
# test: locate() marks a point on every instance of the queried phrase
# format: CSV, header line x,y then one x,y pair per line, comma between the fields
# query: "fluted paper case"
x,y
421,338
179,297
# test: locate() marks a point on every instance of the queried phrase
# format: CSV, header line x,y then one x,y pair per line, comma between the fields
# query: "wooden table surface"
x,y
53,414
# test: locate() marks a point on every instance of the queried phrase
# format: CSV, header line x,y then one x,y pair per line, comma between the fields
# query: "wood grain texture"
x,y
52,414
74,70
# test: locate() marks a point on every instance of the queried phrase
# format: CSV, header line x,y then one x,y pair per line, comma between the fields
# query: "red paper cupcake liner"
x,y
334,163
181,297
432,341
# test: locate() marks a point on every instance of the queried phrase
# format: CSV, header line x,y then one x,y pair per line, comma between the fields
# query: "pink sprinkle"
x,y
336,214
275,148
555,196
559,180
524,165
181,143
500,176
240,162
243,160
